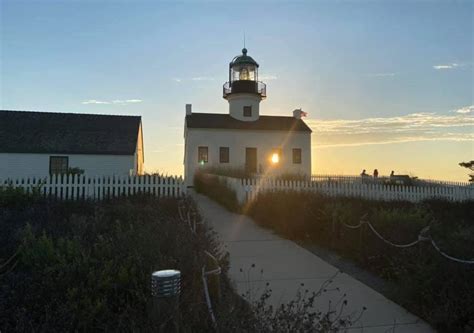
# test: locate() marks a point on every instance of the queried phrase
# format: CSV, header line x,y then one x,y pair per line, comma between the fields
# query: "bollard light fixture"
x,y
165,283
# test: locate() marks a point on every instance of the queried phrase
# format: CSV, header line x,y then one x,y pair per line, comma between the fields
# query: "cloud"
x,y
381,74
117,101
94,101
267,77
446,66
196,78
466,109
408,128
127,101
202,78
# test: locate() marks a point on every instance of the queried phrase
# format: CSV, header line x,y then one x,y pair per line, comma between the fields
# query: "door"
x,y
251,160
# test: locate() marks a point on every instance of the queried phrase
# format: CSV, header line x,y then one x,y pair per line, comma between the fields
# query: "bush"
x,y
216,189
431,286
86,265
242,173
233,172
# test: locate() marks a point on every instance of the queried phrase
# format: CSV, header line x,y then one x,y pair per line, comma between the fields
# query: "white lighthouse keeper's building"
x,y
243,138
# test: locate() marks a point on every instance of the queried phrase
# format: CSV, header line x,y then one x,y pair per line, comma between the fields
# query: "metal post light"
x,y
166,283
165,291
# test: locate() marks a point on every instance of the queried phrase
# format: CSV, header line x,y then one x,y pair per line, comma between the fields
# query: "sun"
x,y
275,158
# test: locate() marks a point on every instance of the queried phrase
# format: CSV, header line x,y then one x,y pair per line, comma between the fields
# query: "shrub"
x,y
233,172
216,189
435,288
86,265
242,173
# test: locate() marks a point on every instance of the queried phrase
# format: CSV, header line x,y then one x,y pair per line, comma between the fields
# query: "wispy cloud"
x,y
267,77
196,78
407,128
381,74
446,66
466,109
117,101
202,78
94,101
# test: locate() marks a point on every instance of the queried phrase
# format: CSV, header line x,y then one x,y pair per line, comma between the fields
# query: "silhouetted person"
x,y
392,173
363,173
376,173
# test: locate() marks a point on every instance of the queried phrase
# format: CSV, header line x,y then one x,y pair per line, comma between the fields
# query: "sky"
x,y
386,84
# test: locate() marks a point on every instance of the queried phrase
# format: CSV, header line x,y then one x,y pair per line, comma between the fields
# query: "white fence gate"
x,y
248,189
77,187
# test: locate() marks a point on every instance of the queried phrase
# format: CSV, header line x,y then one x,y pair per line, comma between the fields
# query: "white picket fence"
x,y
383,180
77,187
247,189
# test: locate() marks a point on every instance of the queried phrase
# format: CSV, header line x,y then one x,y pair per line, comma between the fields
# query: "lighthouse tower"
x,y
243,90
243,139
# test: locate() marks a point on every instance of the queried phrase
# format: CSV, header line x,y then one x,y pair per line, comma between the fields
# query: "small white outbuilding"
x,y
38,144
244,139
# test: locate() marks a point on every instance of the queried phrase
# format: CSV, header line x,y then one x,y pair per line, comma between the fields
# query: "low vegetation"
x,y
241,173
85,266
216,188
430,285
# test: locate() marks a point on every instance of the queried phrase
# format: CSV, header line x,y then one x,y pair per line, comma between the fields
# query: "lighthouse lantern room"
x,y
243,90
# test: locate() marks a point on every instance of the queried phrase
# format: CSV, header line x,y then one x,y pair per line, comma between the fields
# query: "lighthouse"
x,y
244,91
244,138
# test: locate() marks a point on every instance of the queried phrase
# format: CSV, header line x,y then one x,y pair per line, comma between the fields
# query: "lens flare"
x,y
275,158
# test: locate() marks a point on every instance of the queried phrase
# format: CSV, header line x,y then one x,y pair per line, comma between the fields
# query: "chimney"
x,y
297,113
189,109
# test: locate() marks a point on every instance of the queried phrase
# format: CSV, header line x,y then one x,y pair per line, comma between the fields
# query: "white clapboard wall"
x,y
77,187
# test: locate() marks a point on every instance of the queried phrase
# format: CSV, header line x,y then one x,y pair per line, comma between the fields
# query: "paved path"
x,y
286,265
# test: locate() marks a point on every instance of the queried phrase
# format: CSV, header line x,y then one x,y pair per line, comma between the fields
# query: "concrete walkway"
x,y
286,266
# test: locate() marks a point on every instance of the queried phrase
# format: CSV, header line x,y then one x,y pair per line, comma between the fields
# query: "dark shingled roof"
x,y
67,133
265,123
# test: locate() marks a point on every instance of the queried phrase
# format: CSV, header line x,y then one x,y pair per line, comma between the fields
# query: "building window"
x,y
296,156
224,154
58,164
203,156
247,111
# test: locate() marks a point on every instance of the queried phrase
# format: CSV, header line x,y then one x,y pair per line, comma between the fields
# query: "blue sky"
x,y
382,81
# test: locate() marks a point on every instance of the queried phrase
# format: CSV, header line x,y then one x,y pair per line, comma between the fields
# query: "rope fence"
x,y
190,218
422,237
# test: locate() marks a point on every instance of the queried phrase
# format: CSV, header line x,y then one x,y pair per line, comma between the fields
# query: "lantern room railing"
x,y
245,86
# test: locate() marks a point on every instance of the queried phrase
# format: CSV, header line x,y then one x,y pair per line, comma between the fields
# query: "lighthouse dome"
x,y
243,59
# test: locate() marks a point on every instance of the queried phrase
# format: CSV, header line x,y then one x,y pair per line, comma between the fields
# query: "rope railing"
x,y
469,262
186,218
422,236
